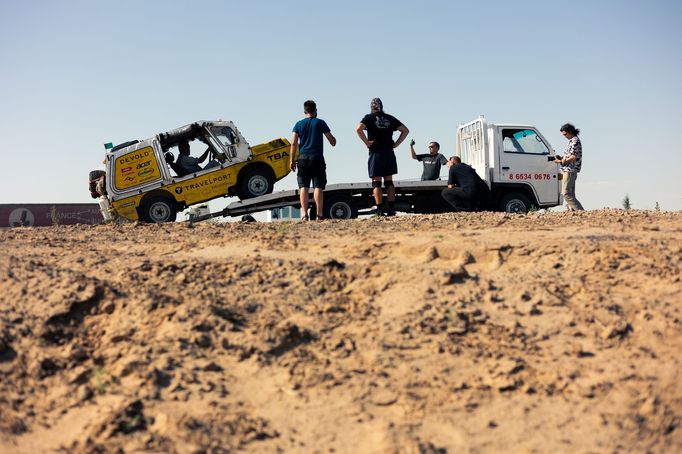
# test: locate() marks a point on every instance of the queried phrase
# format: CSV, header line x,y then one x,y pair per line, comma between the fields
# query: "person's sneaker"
x,y
390,213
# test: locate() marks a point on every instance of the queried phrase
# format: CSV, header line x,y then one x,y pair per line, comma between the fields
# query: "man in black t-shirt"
x,y
379,140
431,161
466,190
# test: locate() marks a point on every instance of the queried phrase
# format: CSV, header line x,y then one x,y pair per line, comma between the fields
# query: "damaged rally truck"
x,y
142,179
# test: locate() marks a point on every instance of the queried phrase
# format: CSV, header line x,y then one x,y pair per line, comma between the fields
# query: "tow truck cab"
x,y
515,160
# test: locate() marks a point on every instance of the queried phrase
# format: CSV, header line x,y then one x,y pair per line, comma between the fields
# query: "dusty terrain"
x,y
551,332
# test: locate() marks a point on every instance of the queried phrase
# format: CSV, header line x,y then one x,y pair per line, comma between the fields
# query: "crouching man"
x,y
466,191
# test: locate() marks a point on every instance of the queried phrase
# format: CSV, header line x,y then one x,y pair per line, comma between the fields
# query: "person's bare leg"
x,y
377,192
318,195
303,193
391,190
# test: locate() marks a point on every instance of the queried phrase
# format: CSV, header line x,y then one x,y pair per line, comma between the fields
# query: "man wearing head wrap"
x,y
382,164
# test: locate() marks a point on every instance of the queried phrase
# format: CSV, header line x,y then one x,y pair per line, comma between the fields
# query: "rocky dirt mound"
x,y
444,333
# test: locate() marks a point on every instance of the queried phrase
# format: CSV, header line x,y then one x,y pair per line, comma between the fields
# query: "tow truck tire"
x,y
340,207
255,183
159,209
515,202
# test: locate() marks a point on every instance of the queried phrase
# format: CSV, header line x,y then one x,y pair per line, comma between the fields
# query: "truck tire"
x,y
92,182
340,207
514,202
255,183
159,209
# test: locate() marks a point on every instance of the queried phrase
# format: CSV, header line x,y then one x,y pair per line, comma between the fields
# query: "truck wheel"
x,y
340,207
95,174
159,209
92,182
515,202
255,183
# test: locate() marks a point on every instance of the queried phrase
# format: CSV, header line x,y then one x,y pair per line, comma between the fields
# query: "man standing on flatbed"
x,y
382,163
432,161
308,133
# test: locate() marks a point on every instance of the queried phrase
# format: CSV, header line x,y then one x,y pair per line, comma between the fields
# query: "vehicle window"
x,y
227,138
523,141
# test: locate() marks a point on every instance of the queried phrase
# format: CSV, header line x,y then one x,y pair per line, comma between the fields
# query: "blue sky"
x,y
77,74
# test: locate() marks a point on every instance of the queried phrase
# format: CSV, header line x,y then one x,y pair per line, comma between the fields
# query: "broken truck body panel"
x,y
46,214
144,182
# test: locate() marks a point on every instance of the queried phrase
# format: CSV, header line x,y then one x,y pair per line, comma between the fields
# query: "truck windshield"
x,y
523,141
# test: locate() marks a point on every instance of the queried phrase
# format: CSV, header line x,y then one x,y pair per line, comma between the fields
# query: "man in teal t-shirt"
x,y
307,139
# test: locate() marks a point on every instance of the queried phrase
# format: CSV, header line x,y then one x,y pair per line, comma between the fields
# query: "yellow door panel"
x,y
135,168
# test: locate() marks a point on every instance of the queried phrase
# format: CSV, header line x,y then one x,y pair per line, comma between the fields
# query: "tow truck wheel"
x,y
159,209
515,203
255,183
341,207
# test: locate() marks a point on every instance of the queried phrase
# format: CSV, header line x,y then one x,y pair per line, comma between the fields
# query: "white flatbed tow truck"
x,y
516,162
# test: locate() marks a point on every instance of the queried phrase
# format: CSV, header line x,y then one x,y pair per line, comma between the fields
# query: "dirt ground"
x,y
467,332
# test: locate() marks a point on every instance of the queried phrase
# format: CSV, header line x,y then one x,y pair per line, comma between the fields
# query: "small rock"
x,y
213,367
203,341
466,258
384,397
454,277
619,329
335,264
431,254
648,408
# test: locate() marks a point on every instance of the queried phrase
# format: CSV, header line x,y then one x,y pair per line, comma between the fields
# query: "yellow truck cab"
x,y
144,179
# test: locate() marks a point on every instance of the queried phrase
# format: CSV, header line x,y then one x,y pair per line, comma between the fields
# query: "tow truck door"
x,y
523,158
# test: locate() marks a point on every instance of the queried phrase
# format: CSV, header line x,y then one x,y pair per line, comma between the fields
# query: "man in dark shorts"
x,y
466,190
307,139
382,163
432,161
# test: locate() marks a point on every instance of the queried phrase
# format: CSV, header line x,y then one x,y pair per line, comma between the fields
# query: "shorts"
x,y
382,164
312,169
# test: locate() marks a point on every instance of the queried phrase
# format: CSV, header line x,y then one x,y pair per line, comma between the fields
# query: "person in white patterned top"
x,y
571,164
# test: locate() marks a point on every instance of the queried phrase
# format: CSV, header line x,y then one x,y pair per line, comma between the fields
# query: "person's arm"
x,y
568,159
360,129
570,155
412,153
443,160
292,151
330,137
403,134
203,157
452,179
